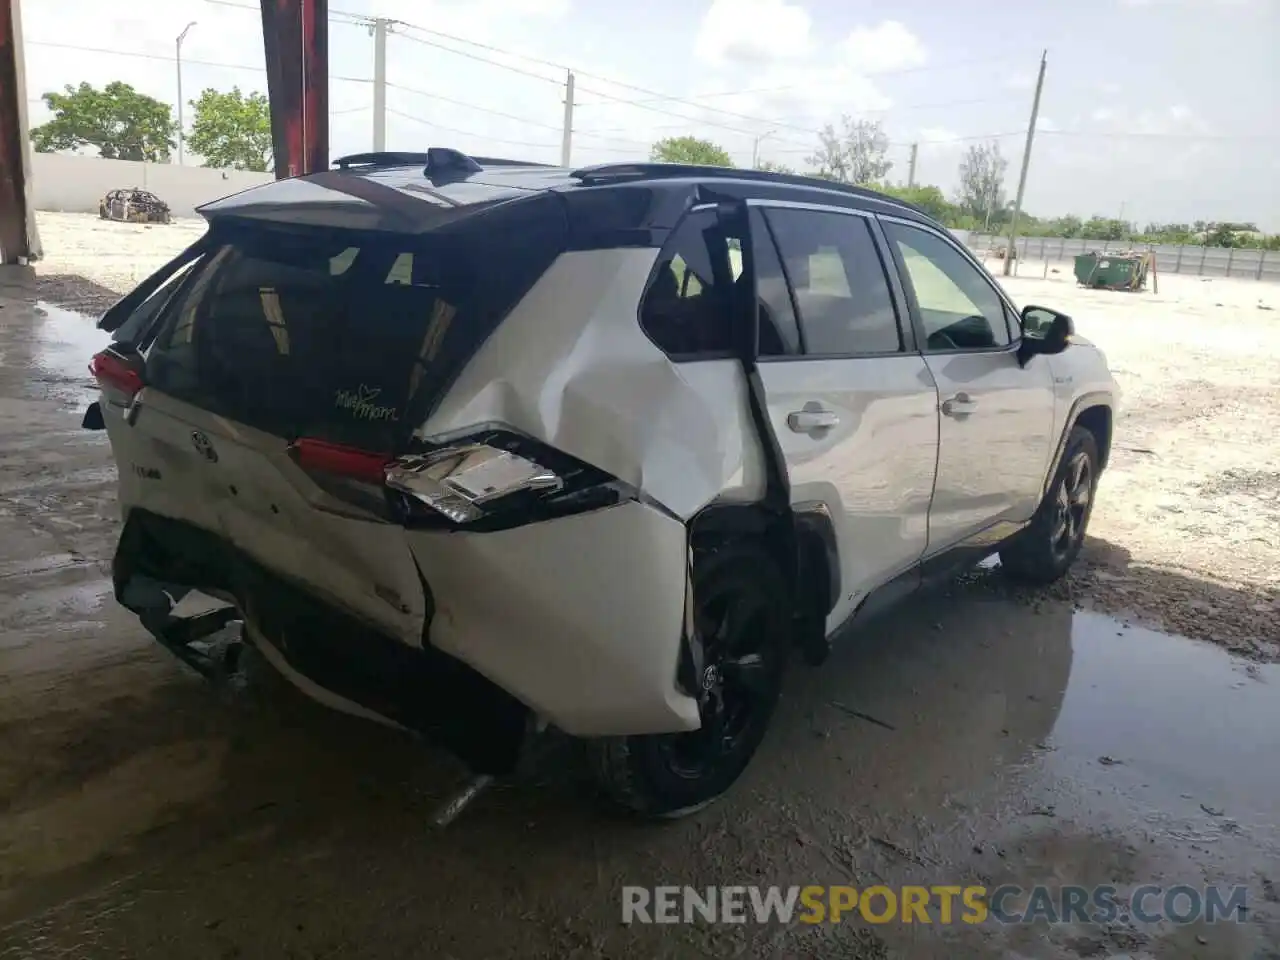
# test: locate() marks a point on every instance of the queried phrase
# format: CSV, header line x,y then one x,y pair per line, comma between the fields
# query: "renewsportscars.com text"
x,y
941,904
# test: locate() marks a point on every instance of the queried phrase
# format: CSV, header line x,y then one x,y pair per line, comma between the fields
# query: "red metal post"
x,y
296,35
18,237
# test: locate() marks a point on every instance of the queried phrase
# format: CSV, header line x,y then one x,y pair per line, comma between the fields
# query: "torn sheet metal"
x,y
571,366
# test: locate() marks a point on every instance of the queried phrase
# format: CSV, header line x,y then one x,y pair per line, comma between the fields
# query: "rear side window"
x,y
839,283
687,307
343,335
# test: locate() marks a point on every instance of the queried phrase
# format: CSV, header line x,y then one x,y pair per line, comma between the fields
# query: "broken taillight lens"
x,y
117,371
490,480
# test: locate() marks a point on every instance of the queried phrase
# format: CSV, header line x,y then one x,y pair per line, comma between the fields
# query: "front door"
x,y
852,404
995,417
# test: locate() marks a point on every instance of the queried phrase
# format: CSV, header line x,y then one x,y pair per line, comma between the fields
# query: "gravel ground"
x,y
1183,535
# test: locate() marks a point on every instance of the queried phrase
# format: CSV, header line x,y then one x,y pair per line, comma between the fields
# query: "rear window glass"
x,y
339,335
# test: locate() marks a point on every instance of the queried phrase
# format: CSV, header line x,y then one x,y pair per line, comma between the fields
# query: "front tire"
x,y
1045,550
743,615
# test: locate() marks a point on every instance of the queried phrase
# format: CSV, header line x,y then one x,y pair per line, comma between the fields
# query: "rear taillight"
x,y
118,372
489,480
335,458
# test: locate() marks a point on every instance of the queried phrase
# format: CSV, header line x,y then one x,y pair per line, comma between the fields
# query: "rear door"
x,y
852,404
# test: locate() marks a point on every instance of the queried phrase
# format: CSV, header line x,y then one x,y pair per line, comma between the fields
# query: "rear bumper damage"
x,y
420,689
576,621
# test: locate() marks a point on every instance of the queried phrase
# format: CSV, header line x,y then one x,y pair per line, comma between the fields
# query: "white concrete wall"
x,y
75,184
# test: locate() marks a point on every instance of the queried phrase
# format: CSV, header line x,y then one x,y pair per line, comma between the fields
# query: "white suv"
x,y
474,446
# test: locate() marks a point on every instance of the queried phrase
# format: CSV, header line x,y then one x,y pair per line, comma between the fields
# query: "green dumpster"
x,y
1112,271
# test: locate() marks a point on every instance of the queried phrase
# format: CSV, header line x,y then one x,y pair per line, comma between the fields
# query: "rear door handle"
x,y
813,420
959,406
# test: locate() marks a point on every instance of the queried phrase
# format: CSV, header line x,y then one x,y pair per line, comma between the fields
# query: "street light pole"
x,y
178,59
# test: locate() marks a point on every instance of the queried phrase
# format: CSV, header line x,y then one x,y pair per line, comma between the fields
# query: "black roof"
x,y
419,191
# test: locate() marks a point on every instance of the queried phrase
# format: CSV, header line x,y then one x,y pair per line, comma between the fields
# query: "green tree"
x,y
1105,228
690,150
120,122
981,193
770,166
927,197
232,129
857,154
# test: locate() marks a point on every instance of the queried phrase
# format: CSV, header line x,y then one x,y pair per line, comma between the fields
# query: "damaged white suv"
x,y
475,446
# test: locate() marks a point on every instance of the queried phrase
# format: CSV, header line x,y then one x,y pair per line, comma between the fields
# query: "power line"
x,y
907,143
700,121
893,109
473,106
658,98
484,46
1124,135
509,116
341,15
169,59
486,136
473,56
471,133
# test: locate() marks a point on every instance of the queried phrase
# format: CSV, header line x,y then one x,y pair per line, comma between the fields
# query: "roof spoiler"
x,y
436,161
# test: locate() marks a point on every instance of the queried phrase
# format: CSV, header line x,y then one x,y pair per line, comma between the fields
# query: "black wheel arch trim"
x,y
814,525
1082,403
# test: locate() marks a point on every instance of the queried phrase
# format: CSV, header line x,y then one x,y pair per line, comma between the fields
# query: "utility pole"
x,y
178,59
566,139
755,148
911,167
380,28
1026,161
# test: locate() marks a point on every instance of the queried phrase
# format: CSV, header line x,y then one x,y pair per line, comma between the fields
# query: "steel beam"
x,y
19,241
296,36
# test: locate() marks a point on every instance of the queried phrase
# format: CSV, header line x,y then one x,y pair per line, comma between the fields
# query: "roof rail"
x,y
606,172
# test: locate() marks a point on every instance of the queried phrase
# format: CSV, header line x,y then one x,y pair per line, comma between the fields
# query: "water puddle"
x,y
65,342
1180,724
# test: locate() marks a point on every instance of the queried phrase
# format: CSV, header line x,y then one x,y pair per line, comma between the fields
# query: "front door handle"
x,y
814,419
959,406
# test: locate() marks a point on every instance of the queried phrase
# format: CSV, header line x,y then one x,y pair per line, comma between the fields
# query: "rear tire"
x,y
744,616
1045,550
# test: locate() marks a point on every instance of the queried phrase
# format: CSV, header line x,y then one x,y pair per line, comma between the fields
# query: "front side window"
x,y
840,287
959,307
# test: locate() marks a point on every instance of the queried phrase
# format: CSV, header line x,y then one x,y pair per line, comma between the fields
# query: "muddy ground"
x,y
1012,738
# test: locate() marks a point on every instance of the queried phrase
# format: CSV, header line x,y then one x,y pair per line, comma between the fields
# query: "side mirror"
x,y
1044,331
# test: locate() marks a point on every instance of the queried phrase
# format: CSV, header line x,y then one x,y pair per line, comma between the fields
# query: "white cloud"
x,y
887,46
752,31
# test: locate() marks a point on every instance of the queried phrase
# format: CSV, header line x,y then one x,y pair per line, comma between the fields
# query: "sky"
x,y
1154,110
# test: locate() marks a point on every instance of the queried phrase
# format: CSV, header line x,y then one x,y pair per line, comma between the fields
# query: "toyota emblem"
x,y
204,446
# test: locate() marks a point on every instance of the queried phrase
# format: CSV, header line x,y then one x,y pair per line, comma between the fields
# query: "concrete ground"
x,y
984,736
